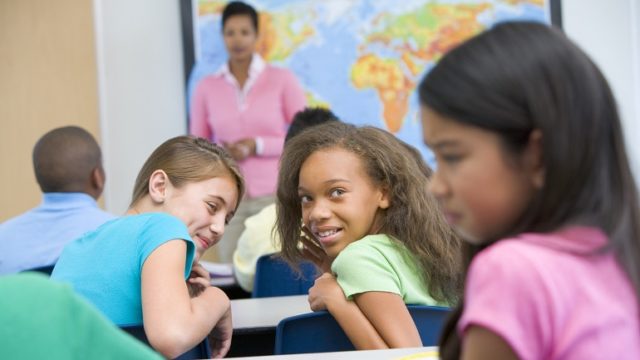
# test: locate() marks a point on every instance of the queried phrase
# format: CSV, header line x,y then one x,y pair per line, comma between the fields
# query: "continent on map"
x,y
418,38
278,40
391,84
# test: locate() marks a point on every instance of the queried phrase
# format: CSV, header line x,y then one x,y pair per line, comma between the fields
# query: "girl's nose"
x,y
217,226
319,212
437,185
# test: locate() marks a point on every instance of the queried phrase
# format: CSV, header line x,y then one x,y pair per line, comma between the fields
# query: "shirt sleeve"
x,y
293,100
160,229
199,114
505,295
361,268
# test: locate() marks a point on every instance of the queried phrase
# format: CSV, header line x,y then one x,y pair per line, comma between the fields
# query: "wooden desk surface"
x,y
266,312
424,353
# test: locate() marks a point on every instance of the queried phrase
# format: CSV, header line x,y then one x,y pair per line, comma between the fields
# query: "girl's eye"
x,y
304,199
212,207
451,158
337,192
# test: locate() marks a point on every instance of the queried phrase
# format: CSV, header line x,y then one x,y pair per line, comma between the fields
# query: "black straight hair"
x,y
308,117
236,8
519,77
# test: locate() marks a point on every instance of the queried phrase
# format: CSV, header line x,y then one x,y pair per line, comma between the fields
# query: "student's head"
x,y
68,159
307,118
527,138
347,182
526,134
194,180
240,30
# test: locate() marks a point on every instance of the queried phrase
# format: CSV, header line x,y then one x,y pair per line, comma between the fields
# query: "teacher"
x,y
246,107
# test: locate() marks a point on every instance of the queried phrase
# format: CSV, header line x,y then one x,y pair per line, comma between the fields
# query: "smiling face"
x,y
483,190
240,37
339,202
205,207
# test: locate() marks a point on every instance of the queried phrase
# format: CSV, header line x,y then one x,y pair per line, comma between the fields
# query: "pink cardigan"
x,y
268,109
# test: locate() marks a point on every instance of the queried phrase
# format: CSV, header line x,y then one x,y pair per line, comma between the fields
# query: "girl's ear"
x,y
158,183
534,159
383,202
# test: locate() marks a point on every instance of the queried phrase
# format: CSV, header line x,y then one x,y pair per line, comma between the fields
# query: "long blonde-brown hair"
x,y
413,217
187,159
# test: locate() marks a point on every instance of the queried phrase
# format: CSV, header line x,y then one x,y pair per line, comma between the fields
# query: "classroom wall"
x,y
47,79
141,85
609,31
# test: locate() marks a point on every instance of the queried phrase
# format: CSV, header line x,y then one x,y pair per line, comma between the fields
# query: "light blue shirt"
x,y
36,238
105,265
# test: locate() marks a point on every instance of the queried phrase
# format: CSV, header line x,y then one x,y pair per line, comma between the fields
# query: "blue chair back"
x,y
43,269
320,332
274,277
200,351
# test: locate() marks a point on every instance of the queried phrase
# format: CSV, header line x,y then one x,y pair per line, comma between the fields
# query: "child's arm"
x,y
326,294
174,322
388,313
376,320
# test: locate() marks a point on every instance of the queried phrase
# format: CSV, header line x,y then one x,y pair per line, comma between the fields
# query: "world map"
x,y
361,58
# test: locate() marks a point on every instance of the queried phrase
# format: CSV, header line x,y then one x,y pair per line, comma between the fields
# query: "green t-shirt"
x,y
42,319
377,263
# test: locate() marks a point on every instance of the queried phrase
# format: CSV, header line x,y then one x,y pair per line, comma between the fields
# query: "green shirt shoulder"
x,y
43,319
379,263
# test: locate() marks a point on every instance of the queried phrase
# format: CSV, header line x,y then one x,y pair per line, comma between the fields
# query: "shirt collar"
x,y
255,68
67,200
572,239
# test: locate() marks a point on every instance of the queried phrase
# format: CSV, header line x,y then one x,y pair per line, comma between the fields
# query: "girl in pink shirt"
x,y
532,173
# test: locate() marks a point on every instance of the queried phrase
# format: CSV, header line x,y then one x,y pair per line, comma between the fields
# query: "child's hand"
x,y
220,336
313,251
325,293
198,280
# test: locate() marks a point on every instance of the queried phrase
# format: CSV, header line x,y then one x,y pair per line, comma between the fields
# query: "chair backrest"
x,y
200,351
274,277
43,269
320,332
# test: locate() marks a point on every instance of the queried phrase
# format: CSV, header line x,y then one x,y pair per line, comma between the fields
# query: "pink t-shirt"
x,y
550,297
220,114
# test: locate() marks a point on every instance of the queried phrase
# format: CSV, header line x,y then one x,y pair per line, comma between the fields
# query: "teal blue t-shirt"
x,y
105,265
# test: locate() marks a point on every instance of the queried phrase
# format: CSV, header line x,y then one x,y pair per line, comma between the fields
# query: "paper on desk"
x,y
424,355
218,269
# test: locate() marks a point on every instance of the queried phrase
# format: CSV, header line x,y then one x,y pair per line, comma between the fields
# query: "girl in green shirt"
x,y
370,226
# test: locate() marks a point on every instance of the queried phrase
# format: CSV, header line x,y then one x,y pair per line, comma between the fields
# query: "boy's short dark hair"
x,y
307,118
64,158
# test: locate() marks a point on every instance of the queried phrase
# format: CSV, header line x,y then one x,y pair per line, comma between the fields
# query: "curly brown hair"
x,y
413,217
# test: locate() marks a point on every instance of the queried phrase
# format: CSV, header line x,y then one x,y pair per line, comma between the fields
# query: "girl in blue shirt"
x,y
134,268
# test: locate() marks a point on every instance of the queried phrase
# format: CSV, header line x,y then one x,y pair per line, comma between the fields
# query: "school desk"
x,y
424,353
